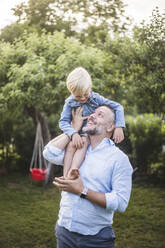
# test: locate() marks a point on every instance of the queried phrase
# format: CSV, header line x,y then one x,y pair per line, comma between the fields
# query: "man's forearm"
x,y
61,141
97,198
76,186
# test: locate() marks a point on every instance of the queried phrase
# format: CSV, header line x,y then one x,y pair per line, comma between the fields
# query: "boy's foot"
x,y
73,174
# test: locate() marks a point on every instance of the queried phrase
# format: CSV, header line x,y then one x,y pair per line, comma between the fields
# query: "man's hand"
x,y
69,185
118,135
77,119
77,141
76,187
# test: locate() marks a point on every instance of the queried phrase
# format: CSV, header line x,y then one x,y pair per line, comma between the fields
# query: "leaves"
x,y
36,68
71,16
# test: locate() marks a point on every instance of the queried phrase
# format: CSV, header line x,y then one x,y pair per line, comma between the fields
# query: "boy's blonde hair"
x,y
78,81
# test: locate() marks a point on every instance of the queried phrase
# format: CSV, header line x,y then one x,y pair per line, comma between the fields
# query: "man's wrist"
x,y
84,193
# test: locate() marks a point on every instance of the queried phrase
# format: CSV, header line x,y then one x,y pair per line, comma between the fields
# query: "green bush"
x,y
147,136
17,135
157,170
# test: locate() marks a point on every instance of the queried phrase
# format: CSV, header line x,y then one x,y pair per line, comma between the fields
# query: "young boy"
x,y
79,84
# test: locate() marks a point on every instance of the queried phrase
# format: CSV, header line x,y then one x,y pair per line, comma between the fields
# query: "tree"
x,y
34,69
10,32
71,16
150,81
140,64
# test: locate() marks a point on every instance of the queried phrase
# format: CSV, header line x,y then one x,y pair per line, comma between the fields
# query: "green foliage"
x,y
17,135
157,170
72,17
146,133
140,63
35,69
32,78
10,32
152,62
23,140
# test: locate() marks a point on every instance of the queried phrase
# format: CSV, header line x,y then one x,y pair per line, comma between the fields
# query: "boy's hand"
x,y
118,135
73,174
77,118
77,141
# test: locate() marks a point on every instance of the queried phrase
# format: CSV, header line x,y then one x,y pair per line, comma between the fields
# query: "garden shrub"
x,y
147,136
17,135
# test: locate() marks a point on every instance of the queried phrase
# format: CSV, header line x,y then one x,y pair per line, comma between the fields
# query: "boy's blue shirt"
x,y
95,100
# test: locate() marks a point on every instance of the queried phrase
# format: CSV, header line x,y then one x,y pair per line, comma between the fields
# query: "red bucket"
x,y
38,174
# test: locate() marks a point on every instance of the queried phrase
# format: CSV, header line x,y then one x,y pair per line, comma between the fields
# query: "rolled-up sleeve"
x,y
119,197
53,154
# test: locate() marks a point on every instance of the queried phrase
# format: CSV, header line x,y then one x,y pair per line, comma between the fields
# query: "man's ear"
x,y
110,127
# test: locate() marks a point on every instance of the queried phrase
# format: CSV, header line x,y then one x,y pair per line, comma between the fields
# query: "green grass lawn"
x,y
28,213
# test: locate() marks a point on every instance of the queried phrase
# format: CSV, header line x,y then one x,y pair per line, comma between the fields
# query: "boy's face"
x,y
82,98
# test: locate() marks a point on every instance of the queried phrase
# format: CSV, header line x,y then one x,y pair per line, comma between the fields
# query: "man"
x,y
104,186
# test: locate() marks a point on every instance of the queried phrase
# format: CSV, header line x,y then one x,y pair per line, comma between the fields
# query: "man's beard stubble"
x,y
94,131
89,131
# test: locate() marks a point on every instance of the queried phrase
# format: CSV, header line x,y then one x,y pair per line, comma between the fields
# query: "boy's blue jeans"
x,y
66,239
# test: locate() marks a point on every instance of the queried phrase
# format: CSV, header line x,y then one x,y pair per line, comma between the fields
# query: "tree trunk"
x,y
38,116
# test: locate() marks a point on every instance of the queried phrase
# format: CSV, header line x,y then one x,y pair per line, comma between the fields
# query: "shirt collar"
x,y
103,143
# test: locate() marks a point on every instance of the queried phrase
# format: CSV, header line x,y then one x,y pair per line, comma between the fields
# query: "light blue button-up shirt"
x,y
95,100
105,169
